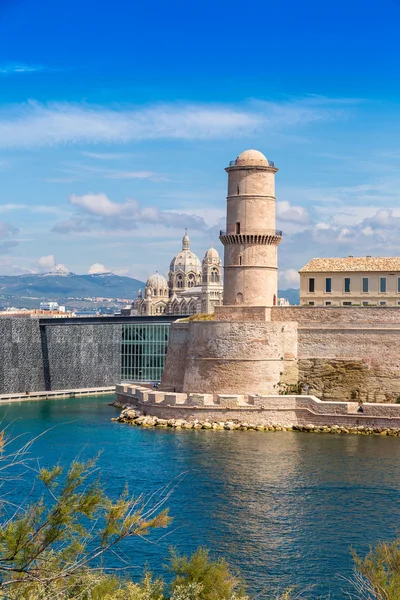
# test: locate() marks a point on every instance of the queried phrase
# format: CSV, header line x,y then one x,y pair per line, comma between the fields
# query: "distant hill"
x,y
60,286
292,295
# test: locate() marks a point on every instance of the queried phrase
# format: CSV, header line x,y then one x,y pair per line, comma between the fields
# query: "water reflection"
x,y
285,507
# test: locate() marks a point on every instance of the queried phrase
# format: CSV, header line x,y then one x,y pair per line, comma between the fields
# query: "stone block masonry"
x,y
230,356
341,353
286,411
348,353
337,314
253,345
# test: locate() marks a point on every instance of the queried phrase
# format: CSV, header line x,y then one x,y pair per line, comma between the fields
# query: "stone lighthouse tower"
x,y
251,240
249,346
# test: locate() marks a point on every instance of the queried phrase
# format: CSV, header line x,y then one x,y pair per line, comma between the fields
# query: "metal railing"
x,y
277,232
270,163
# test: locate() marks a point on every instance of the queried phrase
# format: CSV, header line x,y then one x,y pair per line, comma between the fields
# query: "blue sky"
x,y
117,120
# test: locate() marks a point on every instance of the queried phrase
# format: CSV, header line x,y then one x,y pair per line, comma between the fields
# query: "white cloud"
x,y
288,212
80,170
60,179
12,207
47,263
378,235
289,278
35,124
7,234
101,205
98,212
40,209
97,268
104,155
20,68
134,175
8,266
70,226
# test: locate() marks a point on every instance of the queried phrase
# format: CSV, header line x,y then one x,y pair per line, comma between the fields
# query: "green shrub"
x,y
50,550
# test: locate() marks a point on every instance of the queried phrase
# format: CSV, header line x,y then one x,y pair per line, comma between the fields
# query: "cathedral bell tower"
x,y
251,240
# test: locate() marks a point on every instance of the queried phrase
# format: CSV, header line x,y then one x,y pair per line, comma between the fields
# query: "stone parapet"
x,y
199,399
242,313
337,314
230,400
288,410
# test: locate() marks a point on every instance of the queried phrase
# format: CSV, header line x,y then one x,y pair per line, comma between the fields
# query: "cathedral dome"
x,y
186,261
251,158
211,255
157,282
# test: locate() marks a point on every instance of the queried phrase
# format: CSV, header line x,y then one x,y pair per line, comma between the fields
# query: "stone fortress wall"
x,y
343,353
347,353
255,410
253,346
210,356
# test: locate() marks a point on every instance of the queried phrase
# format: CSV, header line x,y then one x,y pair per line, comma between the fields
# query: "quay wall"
x,y
209,356
286,411
341,353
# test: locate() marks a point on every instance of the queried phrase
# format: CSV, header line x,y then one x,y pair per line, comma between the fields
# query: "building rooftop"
x,y
251,158
352,263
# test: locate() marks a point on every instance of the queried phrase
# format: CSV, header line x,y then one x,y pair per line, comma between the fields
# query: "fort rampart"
x,y
288,410
343,353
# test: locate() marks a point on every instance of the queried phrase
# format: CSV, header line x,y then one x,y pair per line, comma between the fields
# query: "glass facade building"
x,y
144,346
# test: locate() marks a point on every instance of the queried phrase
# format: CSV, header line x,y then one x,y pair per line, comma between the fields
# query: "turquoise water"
x,y
283,507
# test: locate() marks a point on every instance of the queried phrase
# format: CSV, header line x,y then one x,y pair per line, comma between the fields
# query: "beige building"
x,y
351,281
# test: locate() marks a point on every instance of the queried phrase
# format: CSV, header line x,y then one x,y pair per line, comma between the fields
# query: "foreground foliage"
x,y
378,573
52,548
195,578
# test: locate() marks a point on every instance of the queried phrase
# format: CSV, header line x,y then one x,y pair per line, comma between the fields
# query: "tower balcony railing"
x,y
270,163
275,232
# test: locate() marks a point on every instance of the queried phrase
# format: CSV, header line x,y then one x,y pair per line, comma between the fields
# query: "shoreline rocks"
x,y
132,416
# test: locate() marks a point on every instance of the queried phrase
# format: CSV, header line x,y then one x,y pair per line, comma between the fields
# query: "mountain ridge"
x,y
63,285
57,286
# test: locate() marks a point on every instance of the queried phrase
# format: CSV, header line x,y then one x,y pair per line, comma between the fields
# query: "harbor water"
x,y
283,508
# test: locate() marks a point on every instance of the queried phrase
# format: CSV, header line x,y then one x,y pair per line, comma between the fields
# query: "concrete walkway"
x,y
54,394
